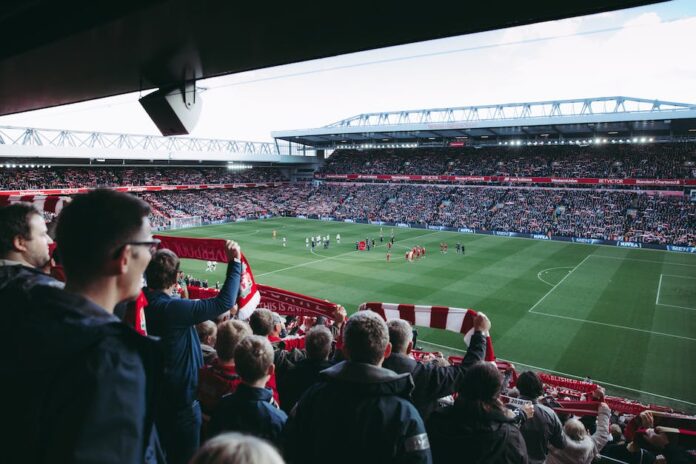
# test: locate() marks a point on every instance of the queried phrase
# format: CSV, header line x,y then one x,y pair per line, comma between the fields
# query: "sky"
x,y
644,52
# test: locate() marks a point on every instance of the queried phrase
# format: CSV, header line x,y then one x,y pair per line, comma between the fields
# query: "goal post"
x,y
185,222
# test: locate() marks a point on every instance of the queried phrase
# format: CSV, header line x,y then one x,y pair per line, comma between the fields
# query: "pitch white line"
x,y
659,286
675,306
617,326
679,276
645,260
601,382
334,257
550,269
559,283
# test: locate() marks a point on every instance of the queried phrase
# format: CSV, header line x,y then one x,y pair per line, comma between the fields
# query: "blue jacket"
x,y
174,321
79,385
249,410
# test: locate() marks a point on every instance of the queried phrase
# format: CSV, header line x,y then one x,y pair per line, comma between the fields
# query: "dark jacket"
x,y
359,413
298,379
174,321
12,273
540,430
249,410
434,382
456,438
82,390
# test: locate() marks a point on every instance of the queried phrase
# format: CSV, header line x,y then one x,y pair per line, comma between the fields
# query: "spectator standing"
x,y
174,320
432,382
542,428
207,333
369,403
83,389
581,447
307,371
251,408
24,252
477,428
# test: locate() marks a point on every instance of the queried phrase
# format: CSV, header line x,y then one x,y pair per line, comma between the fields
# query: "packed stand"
x,y
93,177
587,213
216,386
654,161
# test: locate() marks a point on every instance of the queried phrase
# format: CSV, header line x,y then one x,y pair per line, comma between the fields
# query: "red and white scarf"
x,y
437,317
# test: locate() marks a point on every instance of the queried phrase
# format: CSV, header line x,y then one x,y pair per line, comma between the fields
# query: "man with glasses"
x,y
79,383
174,321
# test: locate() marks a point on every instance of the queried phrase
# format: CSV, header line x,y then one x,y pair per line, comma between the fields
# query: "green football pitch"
x,y
624,317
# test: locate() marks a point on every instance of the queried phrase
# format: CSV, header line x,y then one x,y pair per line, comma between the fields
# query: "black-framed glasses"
x,y
151,244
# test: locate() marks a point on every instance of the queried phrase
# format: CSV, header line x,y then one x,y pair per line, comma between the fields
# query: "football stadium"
x,y
489,283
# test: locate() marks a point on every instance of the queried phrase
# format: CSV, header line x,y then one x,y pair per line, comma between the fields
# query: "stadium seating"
x,y
673,161
602,214
63,177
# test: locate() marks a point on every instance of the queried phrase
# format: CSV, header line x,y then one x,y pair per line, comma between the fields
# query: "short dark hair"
x,y
93,225
529,384
162,270
479,390
400,334
318,342
230,333
261,321
14,221
253,357
365,337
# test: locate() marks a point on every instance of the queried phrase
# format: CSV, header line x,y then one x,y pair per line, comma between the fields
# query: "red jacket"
x,y
218,380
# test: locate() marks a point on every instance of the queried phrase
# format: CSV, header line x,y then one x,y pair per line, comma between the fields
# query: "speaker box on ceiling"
x,y
175,111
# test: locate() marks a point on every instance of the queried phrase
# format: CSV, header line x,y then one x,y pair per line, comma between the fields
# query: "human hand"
x,y
482,323
598,394
528,410
340,315
232,250
234,310
646,419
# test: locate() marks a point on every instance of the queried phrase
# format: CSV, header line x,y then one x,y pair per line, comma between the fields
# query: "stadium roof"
x,y
614,117
54,53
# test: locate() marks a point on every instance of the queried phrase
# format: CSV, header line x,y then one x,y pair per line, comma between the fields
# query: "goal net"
x,y
182,223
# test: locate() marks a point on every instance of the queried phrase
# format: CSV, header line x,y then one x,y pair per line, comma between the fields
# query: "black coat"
x,y
456,438
78,384
434,382
359,413
24,278
298,379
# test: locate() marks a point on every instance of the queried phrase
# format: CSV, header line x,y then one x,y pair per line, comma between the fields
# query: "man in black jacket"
x,y
24,242
365,404
82,389
544,427
432,382
306,373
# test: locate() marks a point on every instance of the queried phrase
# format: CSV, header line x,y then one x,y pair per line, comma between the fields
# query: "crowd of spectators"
x,y
270,389
654,161
74,177
588,213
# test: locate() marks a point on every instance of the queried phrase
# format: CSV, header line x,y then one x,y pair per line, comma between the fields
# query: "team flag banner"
x,y
290,303
280,301
48,203
437,317
213,249
206,249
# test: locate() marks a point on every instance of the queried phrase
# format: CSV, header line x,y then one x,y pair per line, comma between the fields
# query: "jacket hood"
x,y
368,379
68,323
576,451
